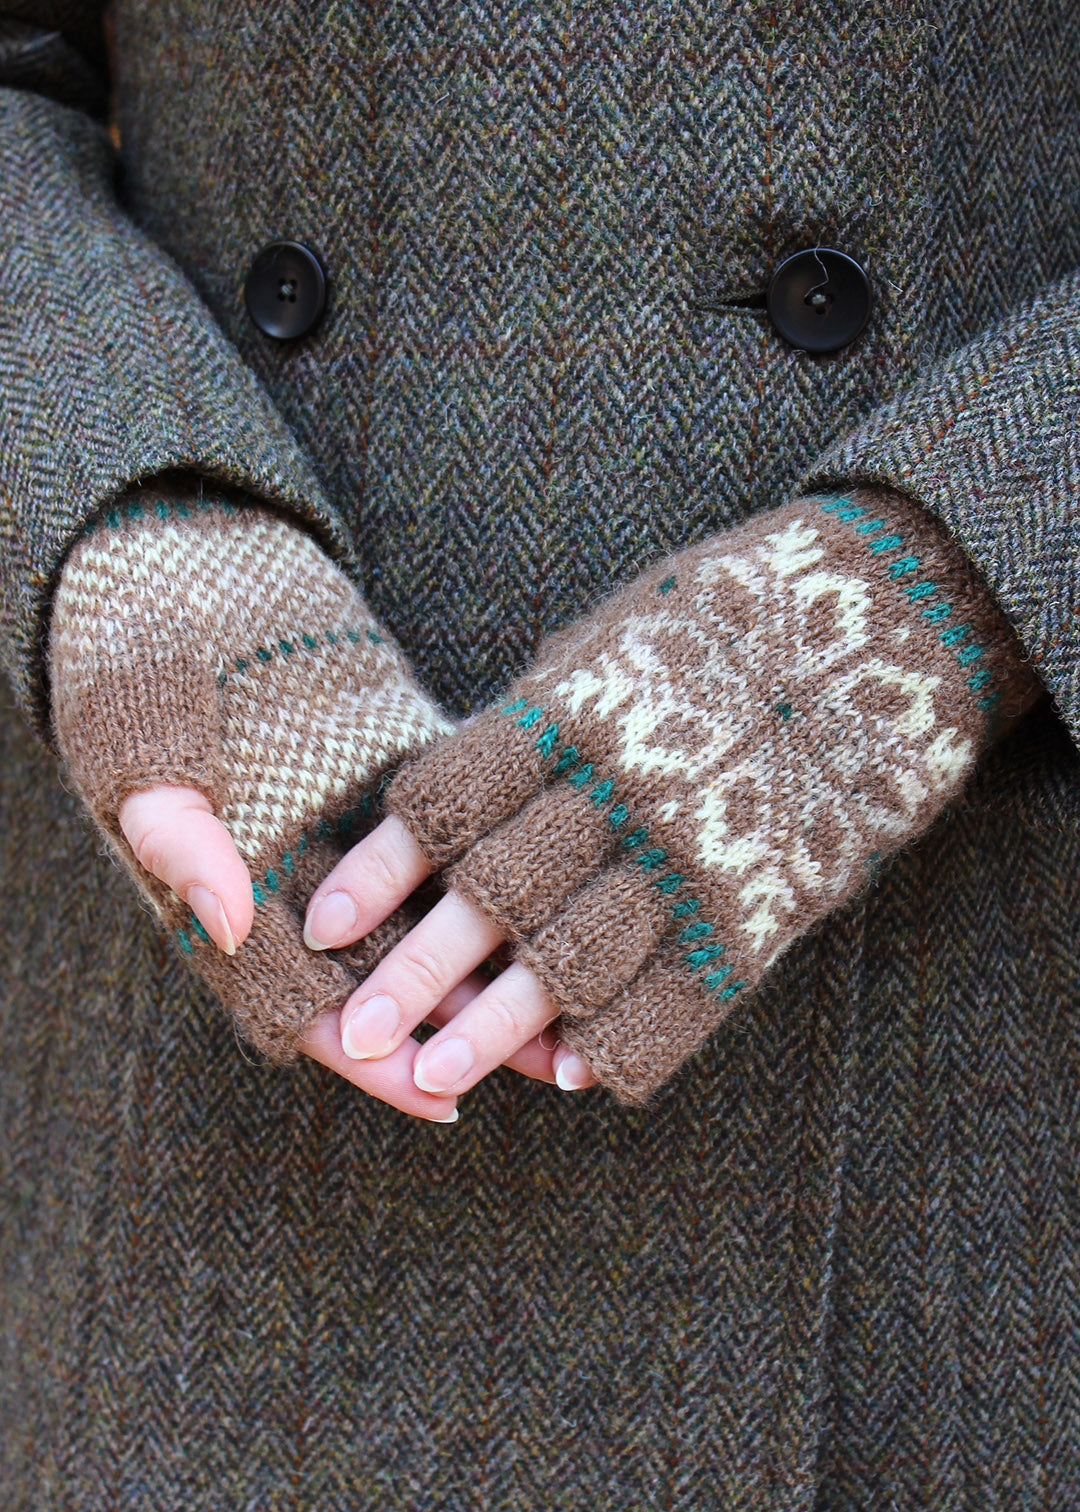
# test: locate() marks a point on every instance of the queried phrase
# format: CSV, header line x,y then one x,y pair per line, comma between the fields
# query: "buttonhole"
x,y
738,300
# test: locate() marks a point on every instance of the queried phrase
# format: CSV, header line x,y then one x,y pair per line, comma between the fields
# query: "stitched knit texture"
x,y
720,755
214,646
833,1267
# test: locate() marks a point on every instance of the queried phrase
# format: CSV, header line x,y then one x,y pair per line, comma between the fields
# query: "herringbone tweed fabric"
x,y
835,1268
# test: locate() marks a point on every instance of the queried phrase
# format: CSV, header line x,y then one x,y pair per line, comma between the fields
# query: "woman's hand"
x,y
502,1024
177,838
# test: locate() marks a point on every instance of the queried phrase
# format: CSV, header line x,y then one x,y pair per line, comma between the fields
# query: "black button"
x,y
285,290
819,299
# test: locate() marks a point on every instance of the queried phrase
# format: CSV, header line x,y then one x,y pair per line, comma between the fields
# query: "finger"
x,y
537,1059
365,886
175,835
495,1025
390,1080
407,984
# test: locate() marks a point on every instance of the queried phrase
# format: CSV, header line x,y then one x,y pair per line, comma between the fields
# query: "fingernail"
x,y
329,921
446,1063
207,908
369,1028
452,1119
572,1073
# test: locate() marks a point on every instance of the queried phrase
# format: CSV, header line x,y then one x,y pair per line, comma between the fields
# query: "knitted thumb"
x,y
217,647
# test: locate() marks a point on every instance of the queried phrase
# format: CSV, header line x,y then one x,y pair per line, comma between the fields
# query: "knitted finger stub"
x,y
721,754
216,646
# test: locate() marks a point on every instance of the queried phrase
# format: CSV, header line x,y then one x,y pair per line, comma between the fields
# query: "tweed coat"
x,y
835,1267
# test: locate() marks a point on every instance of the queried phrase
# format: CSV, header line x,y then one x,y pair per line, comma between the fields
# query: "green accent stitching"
x,y
698,958
257,893
953,634
869,526
528,720
310,642
376,640
185,944
263,654
649,859
667,585
197,928
695,931
286,648
714,978
783,709
934,613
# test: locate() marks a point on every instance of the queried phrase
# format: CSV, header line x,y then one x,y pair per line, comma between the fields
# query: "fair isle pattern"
x,y
201,643
761,720
935,613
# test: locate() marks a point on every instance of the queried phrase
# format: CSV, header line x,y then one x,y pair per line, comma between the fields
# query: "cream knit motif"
x,y
717,757
216,645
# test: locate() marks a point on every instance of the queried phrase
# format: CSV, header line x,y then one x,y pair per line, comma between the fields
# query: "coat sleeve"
x,y
112,369
989,441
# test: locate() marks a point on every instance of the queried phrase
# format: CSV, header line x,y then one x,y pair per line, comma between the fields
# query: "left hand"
x,y
503,1023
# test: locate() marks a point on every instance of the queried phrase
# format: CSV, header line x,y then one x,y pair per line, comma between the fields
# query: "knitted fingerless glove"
x,y
217,646
719,755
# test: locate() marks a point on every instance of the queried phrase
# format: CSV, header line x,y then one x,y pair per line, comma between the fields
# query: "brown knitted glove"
x,y
721,754
218,647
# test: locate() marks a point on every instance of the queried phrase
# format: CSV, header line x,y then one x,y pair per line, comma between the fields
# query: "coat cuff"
x,y
989,442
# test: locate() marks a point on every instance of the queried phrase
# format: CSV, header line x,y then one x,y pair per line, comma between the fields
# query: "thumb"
x,y
176,836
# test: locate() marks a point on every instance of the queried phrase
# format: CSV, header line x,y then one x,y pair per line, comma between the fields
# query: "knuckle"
x,y
424,969
506,1015
151,847
384,868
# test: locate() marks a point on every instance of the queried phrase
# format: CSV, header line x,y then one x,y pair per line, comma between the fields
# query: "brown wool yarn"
x,y
199,642
725,751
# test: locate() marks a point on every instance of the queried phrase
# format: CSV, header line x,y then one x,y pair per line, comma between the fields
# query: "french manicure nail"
x,y
572,1073
207,908
437,1069
452,1119
329,921
370,1027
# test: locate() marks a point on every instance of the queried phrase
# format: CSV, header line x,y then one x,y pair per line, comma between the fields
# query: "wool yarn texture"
x,y
721,754
215,645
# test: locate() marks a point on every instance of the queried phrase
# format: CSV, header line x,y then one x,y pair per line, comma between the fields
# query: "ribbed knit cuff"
x,y
720,755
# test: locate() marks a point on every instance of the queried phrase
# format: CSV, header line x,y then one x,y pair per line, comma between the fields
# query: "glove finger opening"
x,y
473,782
520,874
600,941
